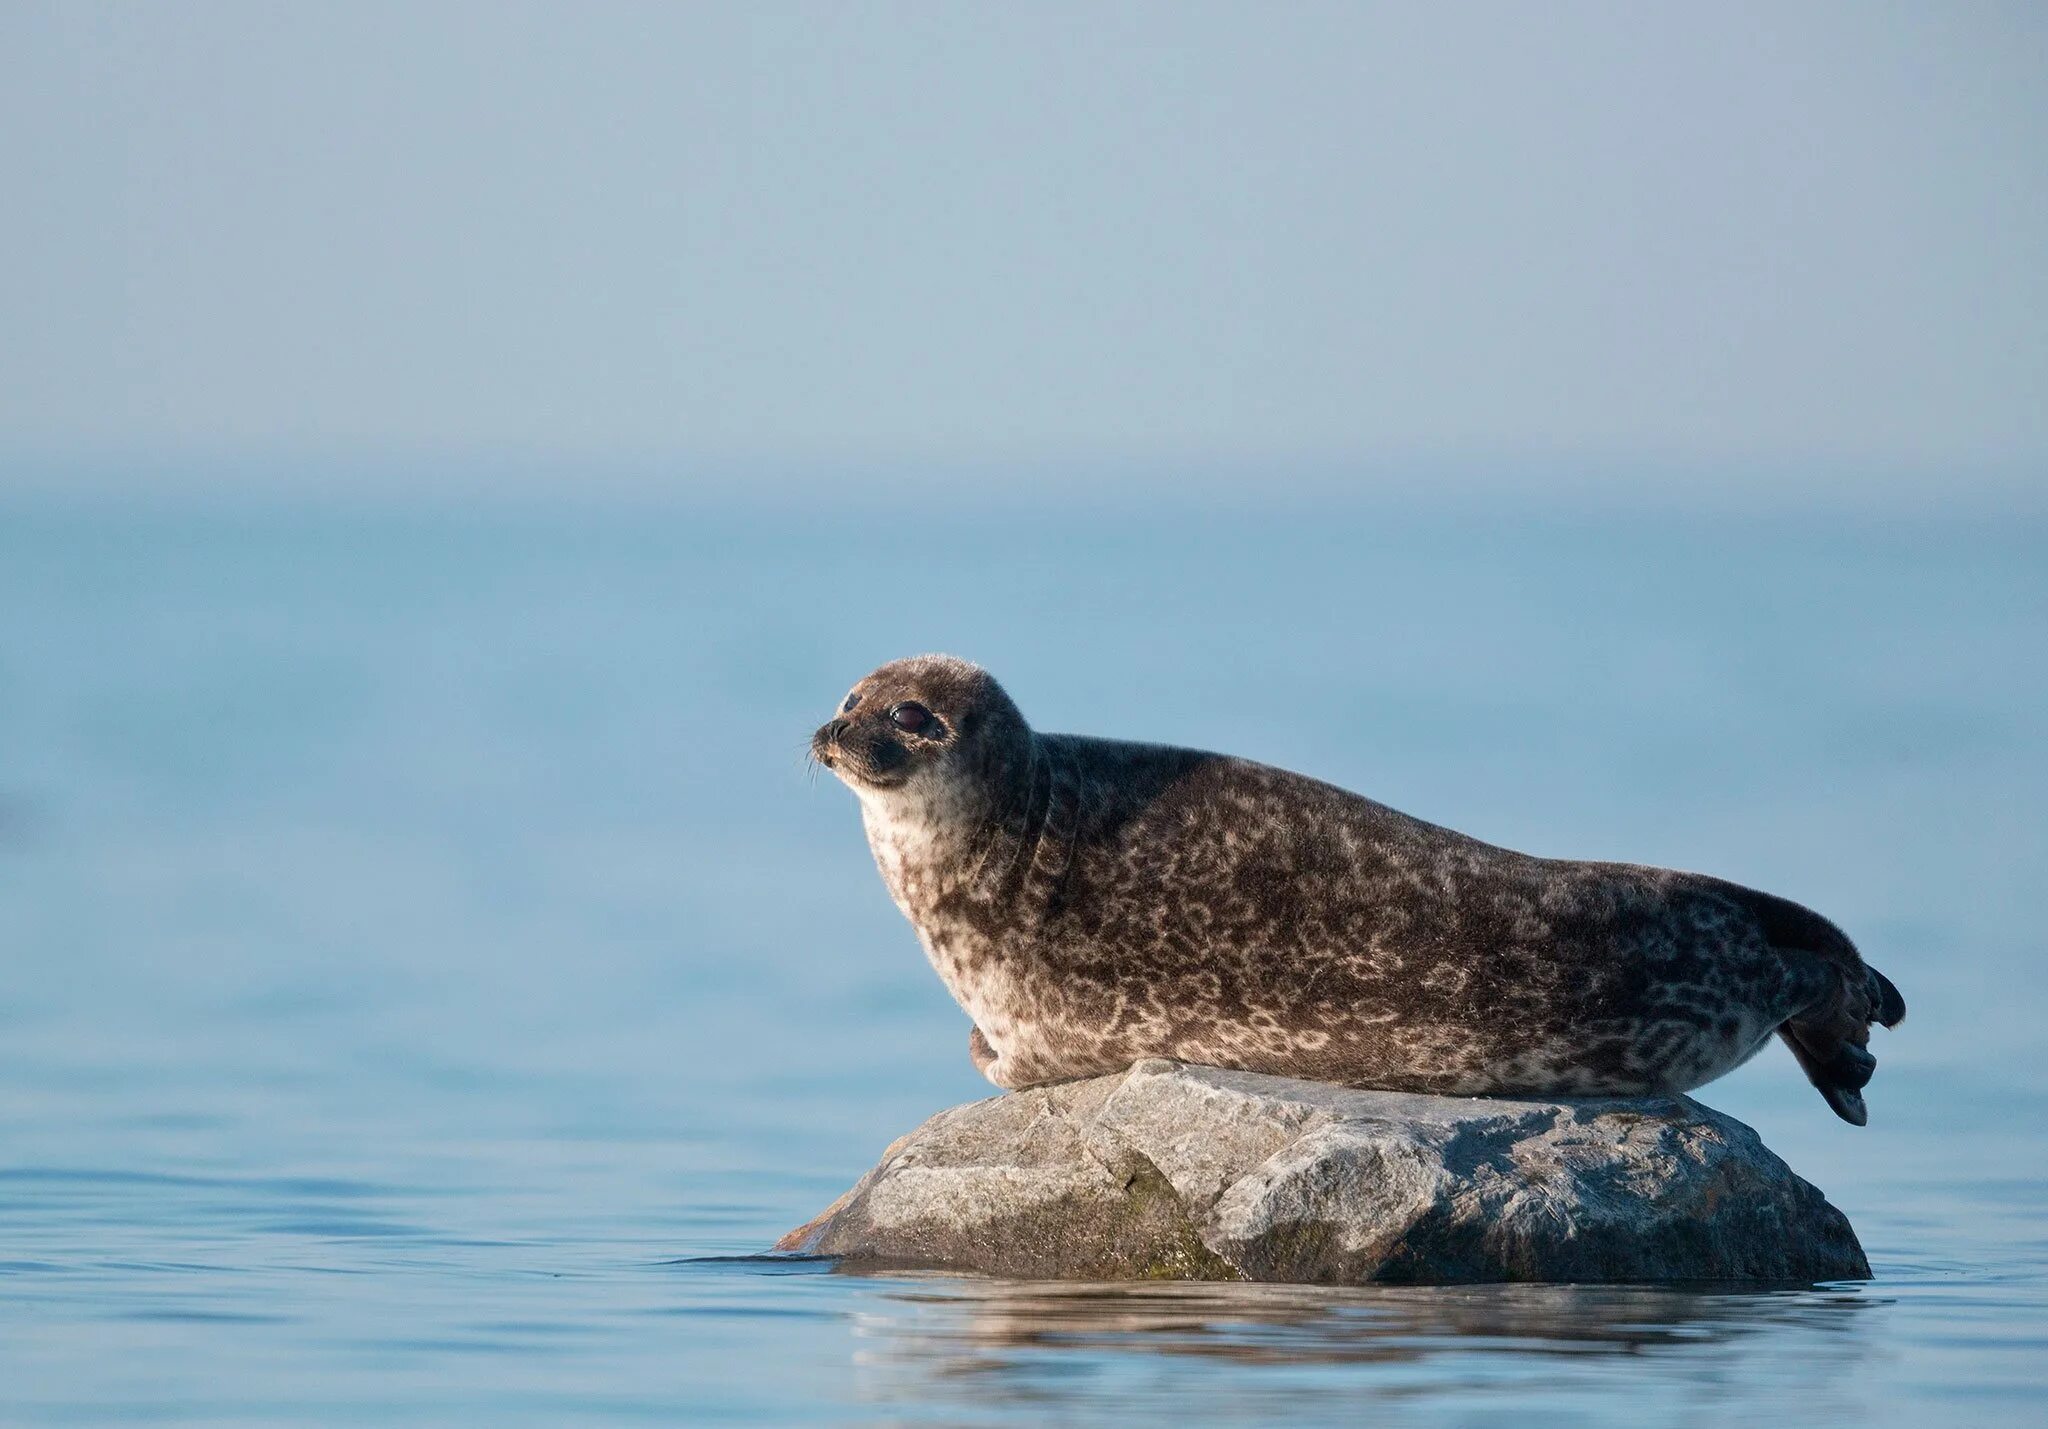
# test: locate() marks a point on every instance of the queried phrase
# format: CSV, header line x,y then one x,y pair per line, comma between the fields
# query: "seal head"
x,y
930,726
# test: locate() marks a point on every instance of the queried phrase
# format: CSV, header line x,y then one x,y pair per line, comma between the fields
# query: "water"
x,y
430,975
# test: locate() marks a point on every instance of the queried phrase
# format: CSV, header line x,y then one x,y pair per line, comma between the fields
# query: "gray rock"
x,y
1191,1173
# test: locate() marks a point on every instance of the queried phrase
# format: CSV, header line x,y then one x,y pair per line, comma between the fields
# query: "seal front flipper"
x,y
983,1055
1001,1070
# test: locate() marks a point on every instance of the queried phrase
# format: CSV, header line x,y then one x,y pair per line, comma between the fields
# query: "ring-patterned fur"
x,y
1092,902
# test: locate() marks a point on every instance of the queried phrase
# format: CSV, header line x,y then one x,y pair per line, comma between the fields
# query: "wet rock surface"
x,y
1168,1171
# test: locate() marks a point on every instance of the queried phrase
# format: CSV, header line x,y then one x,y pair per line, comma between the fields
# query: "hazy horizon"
x,y
1754,258
1511,491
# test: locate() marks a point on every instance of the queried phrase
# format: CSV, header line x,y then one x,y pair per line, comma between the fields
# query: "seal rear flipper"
x,y
1847,1105
1830,1035
1838,1068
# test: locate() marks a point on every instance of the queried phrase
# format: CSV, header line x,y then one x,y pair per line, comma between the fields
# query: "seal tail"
x,y
1830,1036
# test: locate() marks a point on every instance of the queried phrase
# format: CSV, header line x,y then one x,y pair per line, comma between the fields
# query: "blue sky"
x,y
1794,250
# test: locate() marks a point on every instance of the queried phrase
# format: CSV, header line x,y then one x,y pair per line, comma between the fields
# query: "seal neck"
x,y
1025,854
1000,848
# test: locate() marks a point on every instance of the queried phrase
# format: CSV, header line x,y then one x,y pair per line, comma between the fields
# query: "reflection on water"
x,y
964,1320
972,1337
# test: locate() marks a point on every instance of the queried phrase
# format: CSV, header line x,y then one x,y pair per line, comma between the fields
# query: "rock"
x,y
1178,1172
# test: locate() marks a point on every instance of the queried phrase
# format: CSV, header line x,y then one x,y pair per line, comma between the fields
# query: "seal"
x,y
1093,902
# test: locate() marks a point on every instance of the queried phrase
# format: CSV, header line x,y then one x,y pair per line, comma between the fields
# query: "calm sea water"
x,y
430,974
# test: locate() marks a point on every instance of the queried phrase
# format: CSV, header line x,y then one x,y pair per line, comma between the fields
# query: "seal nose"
x,y
826,740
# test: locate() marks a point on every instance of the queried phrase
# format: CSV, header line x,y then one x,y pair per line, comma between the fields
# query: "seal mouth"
x,y
879,767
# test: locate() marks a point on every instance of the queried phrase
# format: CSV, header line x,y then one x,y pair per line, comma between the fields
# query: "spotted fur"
x,y
1091,902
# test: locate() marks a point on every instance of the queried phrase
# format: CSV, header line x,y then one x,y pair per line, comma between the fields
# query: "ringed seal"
x,y
1092,902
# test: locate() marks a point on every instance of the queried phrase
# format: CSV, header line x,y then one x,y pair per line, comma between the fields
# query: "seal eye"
x,y
910,716
851,701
